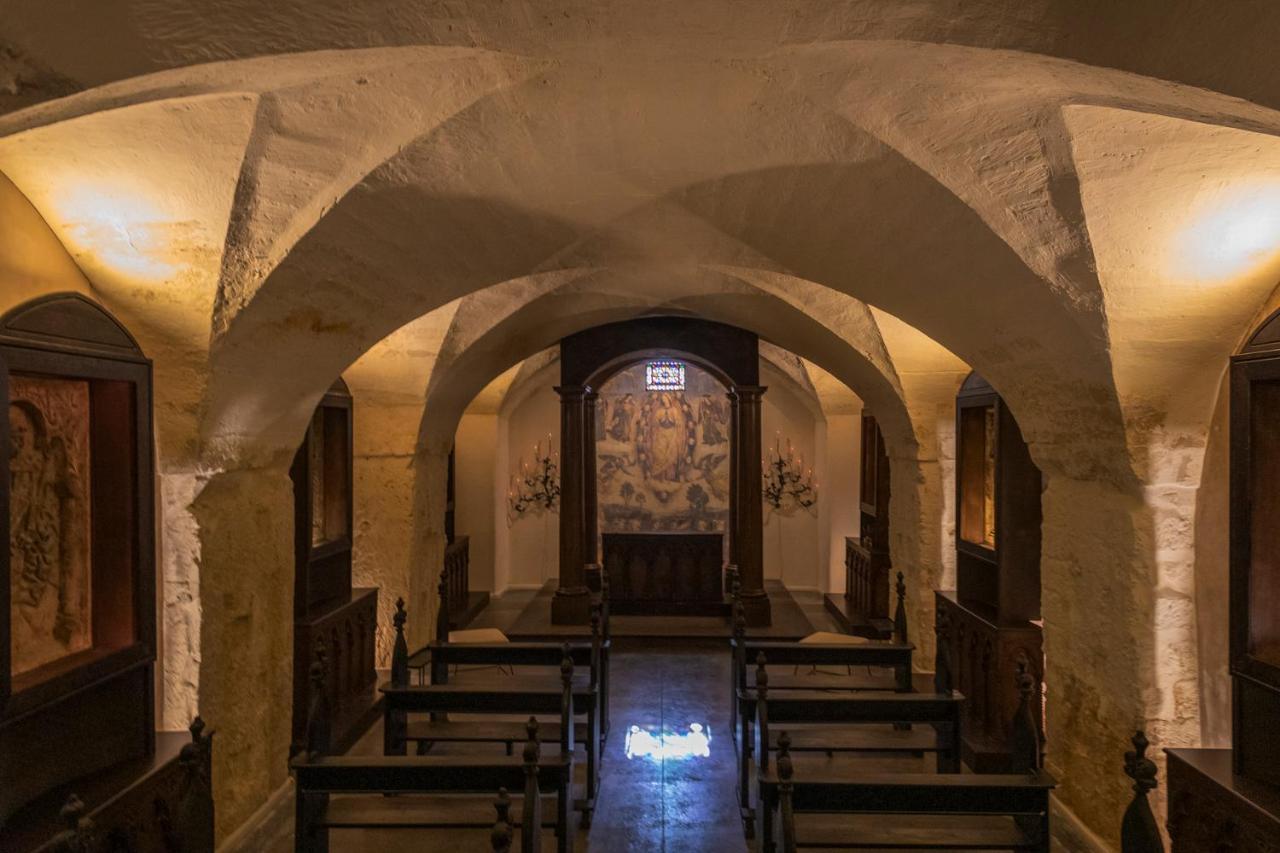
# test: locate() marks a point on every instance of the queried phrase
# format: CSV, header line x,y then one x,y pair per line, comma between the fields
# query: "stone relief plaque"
x,y
49,524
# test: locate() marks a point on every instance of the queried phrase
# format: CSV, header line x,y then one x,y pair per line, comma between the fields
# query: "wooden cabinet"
x,y
1211,808
330,616
988,626
1230,799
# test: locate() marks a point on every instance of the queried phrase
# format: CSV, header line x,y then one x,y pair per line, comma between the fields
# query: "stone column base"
x,y
571,606
756,608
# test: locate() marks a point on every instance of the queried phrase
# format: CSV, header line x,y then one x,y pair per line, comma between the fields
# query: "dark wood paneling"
x,y
91,711
983,658
664,573
731,354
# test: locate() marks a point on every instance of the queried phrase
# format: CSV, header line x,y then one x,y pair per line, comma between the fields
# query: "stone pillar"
x,y
590,508
733,477
750,520
571,604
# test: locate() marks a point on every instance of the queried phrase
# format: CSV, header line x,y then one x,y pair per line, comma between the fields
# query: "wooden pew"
x,y
479,695
426,661
319,776
895,654
842,721
919,811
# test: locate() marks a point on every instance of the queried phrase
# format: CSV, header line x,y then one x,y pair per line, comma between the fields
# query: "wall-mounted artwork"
x,y
662,456
50,604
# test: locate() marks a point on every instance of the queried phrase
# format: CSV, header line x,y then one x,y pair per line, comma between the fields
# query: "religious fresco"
x,y
49,561
662,456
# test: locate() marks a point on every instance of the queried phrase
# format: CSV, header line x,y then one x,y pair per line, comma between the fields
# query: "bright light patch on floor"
x,y
1236,234
668,745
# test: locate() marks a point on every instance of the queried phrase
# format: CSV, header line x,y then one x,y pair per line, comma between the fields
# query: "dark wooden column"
x,y
733,478
590,509
750,509
571,604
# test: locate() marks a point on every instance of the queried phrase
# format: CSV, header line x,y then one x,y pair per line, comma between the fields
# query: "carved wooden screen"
x,y
77,575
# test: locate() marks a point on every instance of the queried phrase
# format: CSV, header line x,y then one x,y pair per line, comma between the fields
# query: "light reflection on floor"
x,y
668,745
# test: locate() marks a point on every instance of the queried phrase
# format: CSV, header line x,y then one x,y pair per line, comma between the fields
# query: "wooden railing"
x,y
866,581
347,637
457,577
982,660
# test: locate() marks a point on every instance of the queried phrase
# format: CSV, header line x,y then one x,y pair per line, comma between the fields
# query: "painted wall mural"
x,y
662,456
50,602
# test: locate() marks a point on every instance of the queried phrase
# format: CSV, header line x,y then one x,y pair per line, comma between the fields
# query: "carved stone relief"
x,y
49,525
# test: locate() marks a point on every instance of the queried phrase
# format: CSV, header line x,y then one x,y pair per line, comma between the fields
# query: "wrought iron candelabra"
x,y
536,487
787,483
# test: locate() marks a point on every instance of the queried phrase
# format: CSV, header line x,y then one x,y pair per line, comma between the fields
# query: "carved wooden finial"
x,y
531,747
401,616
784,757
400,648
762,675
1139,832
595,619
197,729
71,812
739,619
500,838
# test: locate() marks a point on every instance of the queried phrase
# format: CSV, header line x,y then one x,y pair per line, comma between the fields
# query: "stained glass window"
x,y
664,376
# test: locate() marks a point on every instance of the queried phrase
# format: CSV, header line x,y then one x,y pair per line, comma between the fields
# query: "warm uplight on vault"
x,y
668,745
119,231
1236,234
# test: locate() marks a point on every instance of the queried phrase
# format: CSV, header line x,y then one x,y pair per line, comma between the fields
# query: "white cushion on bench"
x,y
819,638
477,636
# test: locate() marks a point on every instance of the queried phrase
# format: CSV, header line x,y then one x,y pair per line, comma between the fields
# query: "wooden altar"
x,y
665,573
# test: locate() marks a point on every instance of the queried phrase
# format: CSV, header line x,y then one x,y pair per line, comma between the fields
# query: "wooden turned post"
x,y
942,680
785,788
590,510
319,721
1139,832
500,837
442,612
531,816
400,648
900,612
1024,740
194,821
77,836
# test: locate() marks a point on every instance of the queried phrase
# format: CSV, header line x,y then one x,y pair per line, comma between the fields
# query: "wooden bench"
x,y
886,724
916,811
432,661
319,776
496,694
895,655
946,810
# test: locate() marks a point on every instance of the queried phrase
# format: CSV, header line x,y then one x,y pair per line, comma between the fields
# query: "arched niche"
x,y
1238,789
334,623
78,579
996,603
590,357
